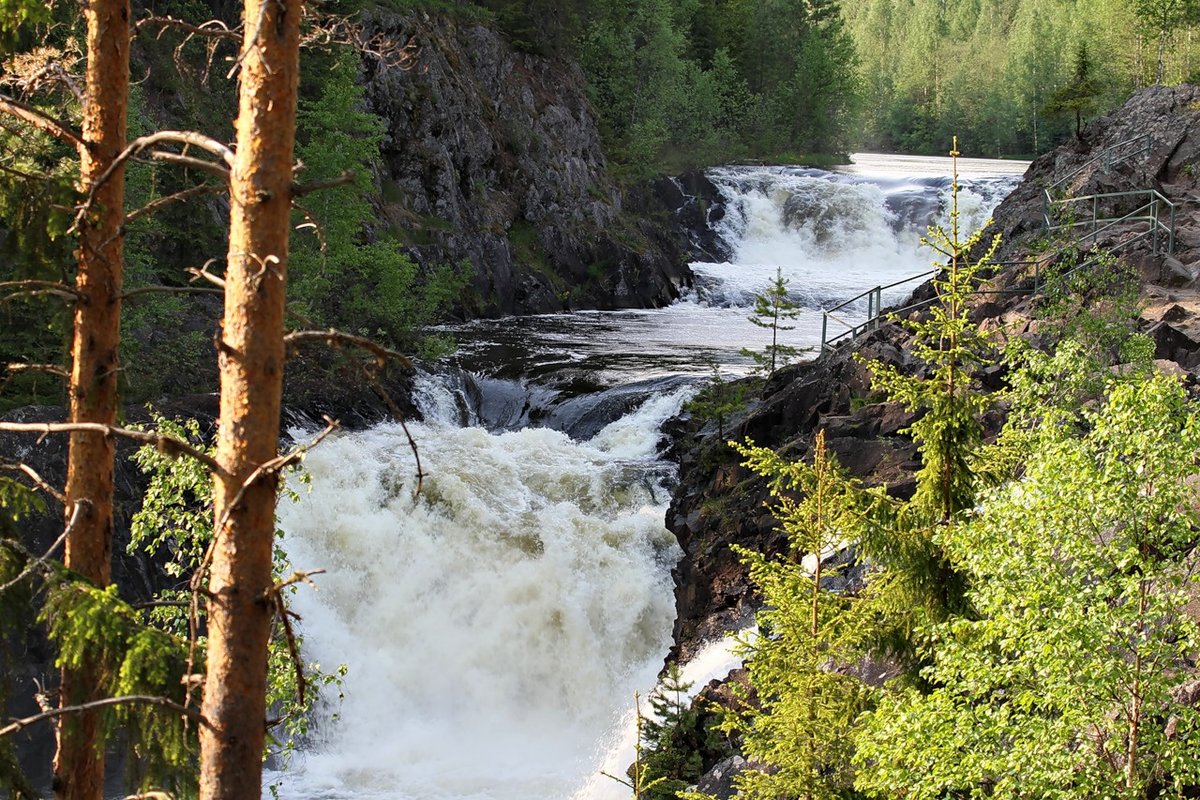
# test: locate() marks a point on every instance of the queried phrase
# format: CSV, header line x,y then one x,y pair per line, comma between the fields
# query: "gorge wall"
x,y
493,156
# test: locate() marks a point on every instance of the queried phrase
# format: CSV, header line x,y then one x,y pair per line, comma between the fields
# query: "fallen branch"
x,y
165,444
42,122
131,699
76,514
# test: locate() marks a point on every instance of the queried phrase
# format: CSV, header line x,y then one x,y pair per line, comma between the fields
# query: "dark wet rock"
x,y
493,156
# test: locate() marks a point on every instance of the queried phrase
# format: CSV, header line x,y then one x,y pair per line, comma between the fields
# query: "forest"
x,y
119,165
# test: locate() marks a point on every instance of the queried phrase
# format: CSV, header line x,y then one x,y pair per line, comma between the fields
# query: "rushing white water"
x,y
494,627
833,235
497,626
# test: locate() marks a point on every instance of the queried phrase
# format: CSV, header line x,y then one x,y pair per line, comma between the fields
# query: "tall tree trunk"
x,y
251,367
79,762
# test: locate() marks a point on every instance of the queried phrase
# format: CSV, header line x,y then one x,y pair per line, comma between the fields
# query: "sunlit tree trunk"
x,y
79,763
251,368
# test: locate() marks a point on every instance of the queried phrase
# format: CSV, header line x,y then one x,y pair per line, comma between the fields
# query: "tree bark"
x,y
250,357
79,762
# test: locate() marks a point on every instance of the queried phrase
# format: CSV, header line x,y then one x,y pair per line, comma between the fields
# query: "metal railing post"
x,y
1095,215
824,330
1171,234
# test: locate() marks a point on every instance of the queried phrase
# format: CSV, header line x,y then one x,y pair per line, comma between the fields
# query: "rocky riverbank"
x,y
718,502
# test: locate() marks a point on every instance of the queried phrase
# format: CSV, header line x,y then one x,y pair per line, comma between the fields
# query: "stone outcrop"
x,y
493,156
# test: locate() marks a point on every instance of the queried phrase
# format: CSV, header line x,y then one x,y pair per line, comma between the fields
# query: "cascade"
x,y
497,626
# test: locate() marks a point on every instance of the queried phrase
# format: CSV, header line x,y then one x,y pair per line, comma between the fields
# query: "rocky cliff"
x,y
493,156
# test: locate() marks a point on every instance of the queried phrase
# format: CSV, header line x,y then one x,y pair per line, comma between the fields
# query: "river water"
x,y
496,627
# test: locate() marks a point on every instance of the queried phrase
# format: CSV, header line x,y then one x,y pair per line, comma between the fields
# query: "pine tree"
x,y
772,309
251,358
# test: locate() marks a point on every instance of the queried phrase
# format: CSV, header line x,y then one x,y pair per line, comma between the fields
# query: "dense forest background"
x,y
681,82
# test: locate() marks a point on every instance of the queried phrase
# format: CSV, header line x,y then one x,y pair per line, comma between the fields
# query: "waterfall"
x,y
494,627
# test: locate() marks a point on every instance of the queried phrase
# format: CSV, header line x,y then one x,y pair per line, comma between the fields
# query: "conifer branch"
x,y
301,189
132,699
334,336
41,121
190,162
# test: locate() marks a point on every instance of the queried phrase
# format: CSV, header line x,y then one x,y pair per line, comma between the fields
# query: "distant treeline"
x,y
682,82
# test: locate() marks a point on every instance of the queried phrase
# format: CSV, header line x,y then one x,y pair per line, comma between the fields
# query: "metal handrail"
x,y
1105,155
1151,208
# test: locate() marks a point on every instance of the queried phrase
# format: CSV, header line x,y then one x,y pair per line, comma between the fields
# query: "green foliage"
x,y
1064,684
952,348
93,628
675,738
339,276
772,309
1077,97
718,400
803,726
681,84
1094,299
986,69
176,520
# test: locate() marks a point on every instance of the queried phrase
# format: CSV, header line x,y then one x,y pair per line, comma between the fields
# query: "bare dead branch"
x,y
196,584
76,515
33,288
214,29
52,369
179,197
42,122
144,290
293,648
249,42
36,479
334,336
166,444
202,273
143,143
294,578
310,221
301,189
130,699
190,162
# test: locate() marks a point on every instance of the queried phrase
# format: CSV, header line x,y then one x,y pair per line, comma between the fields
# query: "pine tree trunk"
x,y
79,761
251,368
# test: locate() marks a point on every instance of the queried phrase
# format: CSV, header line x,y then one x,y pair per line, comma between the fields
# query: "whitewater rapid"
x,y
496,627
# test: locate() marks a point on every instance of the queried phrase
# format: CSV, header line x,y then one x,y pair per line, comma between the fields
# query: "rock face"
x,y
493,156
719,503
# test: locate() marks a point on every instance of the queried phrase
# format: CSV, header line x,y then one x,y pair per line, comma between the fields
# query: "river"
x,y
496,627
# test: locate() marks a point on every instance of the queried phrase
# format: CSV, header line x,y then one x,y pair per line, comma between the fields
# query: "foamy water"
x,y
497,627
